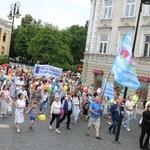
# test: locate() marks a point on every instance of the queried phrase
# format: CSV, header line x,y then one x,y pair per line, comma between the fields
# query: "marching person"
x,y
145,129
135,99
19,112
19,85
129,109
95,109
44,99
115,112
67,106
55,113
25,95
5,99
33,114
76,107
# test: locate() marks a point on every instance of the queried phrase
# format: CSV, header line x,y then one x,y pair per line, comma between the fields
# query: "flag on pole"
x,y
123,67
108,89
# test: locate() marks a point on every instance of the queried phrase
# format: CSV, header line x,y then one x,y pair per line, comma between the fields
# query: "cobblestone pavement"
x,y
44,139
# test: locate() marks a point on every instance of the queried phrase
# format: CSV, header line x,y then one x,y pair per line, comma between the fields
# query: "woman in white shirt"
x,y
76,105
19,112
55,113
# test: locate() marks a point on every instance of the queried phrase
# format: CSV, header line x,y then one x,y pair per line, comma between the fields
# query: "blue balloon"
x,y
55,88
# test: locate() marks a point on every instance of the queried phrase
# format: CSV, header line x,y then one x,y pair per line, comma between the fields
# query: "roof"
x,y
5,22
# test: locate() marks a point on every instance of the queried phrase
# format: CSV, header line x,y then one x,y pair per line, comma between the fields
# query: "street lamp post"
x,y
146,2
14,13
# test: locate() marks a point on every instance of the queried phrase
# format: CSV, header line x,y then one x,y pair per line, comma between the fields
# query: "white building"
x,y
109,21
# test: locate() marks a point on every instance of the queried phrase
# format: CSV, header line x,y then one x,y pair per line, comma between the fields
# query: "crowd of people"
x,y
64,97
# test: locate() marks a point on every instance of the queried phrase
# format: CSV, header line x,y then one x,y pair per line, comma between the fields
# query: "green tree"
x,y
23,38
47,46
75,37
28,19
3,59
12,45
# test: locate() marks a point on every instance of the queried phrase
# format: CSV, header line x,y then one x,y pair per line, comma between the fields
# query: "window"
x,y
98,80
2,51
122,37
147,46
4,38
147,10
129,8
108,9
103,43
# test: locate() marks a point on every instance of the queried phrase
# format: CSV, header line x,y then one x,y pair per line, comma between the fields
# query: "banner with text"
x,y
47,71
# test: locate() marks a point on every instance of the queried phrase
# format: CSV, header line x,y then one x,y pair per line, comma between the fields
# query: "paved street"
x,y
44,139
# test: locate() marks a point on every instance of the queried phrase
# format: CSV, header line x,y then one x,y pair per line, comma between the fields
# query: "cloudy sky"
x,y
62,13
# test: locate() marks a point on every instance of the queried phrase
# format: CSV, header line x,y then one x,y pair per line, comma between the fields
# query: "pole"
x,y
136,28
12,27
126,89
143,92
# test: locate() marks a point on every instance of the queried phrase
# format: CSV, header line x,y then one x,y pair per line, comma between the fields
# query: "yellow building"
x,y
109,21
5,34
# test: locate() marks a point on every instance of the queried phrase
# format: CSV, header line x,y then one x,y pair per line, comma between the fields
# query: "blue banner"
x,y
47,71
108,89
123,67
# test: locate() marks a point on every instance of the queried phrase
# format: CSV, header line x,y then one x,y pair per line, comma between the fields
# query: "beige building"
x,y
5,34
109,21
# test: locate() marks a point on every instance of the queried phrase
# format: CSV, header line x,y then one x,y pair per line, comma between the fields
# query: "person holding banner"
x,y
115,112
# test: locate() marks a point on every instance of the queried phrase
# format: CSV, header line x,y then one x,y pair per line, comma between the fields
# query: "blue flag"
x,y
108,89
123,67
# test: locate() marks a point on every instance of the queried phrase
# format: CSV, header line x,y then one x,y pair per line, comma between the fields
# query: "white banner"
x,y
47,71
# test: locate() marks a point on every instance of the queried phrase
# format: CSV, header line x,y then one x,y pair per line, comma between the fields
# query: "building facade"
x,y
5,35
109,21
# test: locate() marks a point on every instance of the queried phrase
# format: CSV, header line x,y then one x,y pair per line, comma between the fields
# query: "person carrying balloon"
x,y
33,113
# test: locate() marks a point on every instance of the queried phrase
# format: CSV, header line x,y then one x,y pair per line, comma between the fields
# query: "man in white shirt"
x,y
129,108
25,95
19,85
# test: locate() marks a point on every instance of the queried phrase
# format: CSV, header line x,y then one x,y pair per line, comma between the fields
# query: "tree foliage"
x,y
76,41
23,38
48,44
12,49
3,59
28,19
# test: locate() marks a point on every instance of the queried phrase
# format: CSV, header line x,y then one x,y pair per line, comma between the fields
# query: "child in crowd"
x,y
33,113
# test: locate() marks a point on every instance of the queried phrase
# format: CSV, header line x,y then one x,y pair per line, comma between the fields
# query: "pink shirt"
x,y
5,95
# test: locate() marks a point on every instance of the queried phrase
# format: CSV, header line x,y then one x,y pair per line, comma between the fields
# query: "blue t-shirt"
x,y
96,108
33,112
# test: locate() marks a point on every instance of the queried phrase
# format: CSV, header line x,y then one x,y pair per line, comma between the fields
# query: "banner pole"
x,y
142,92
126,89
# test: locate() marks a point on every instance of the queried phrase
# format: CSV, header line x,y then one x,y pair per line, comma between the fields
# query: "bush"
x,y
3,59
66,67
